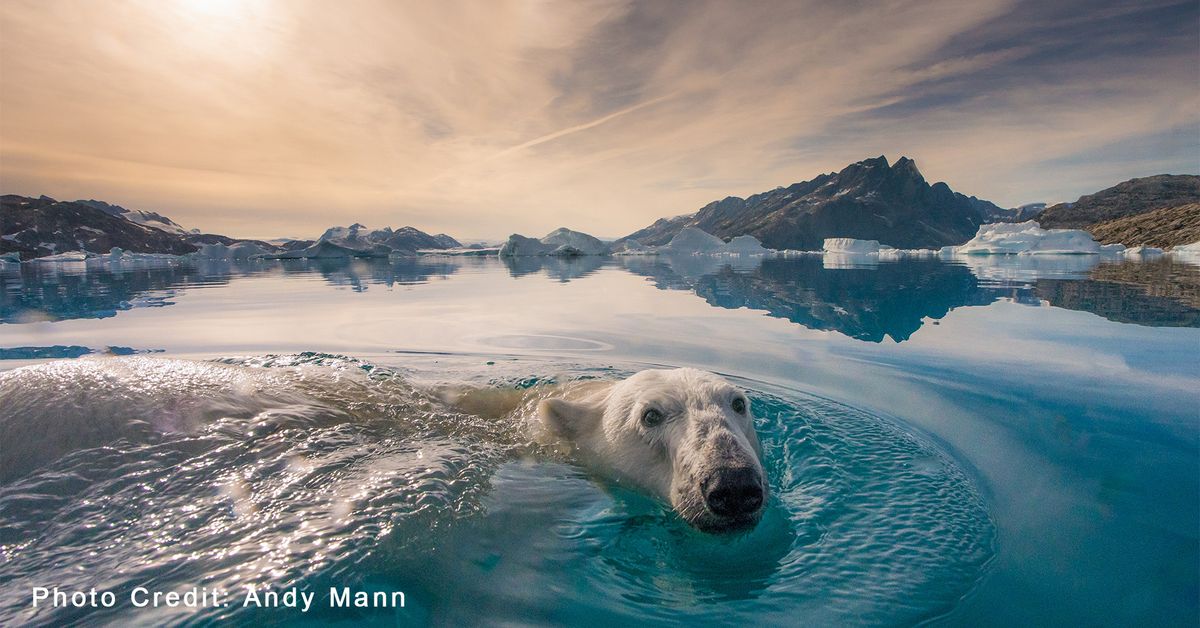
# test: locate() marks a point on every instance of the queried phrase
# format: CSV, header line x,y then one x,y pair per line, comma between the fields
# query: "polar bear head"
x,y
683,434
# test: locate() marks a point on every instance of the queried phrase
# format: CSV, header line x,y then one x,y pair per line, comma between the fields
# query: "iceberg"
x,y
1186,253
691,240
561,242
1143,251
746,245
851,245
1028,238
563,238
631,247
235,251
521,246
328,250
64,258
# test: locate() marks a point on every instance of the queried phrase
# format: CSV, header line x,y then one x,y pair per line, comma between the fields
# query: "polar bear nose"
x,y
733,492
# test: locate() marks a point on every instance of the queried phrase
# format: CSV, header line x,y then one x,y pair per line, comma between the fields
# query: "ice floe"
x,y
235,251
1143,251
1189,253
850,245
561,242
1027,238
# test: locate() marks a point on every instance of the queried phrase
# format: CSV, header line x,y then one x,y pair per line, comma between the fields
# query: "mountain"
x,y
867,200
1132,197
410,239
37,227
144,218
1162,228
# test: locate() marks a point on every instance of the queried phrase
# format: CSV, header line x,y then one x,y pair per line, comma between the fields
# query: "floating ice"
x,y
328,250
521,246
578,241
1028,238
237,251
692,240
746,245
561,242
850,245
631,247
1186,253
1143,251
64,258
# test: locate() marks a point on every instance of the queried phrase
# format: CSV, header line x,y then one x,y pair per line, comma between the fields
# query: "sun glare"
x,y
214,8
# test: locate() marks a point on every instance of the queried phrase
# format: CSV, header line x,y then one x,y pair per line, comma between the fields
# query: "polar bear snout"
x,y
733,492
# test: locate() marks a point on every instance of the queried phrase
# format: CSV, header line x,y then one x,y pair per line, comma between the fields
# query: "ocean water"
x,y
991,441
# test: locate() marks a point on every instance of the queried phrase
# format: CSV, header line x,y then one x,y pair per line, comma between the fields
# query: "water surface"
x,y
980,442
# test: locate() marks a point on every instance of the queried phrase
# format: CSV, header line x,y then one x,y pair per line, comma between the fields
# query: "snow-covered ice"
x,y
746,245
850,245
694,241
237,251
1143,251
561,242
581,242
1028,238
691,240
632,247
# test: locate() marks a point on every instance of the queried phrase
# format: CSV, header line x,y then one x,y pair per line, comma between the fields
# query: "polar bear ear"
x,y
569,419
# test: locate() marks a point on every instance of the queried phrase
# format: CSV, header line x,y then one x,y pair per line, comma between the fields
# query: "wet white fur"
x,y
701,432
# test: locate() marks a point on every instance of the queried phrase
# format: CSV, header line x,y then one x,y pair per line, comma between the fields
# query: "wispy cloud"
x,y
483,118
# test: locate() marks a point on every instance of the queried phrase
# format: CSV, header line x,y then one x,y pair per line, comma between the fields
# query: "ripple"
x,y
543,342
347,475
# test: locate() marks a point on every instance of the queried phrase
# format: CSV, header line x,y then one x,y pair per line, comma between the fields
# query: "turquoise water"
x,y
985,442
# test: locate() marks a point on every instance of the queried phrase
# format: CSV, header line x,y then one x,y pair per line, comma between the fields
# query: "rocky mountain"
x,y
1161,228
37,227
361,238
867,200
1130,198
141,217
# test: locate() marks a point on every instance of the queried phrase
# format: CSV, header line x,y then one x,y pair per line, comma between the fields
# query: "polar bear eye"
x,y
652,417
739,405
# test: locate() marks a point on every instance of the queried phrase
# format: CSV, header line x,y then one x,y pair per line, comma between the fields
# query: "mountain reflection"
x,y
865,298
563,269
869,300
889,299
1158,292
101,289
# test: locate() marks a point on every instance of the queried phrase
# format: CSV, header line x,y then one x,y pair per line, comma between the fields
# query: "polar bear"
x,y
684,435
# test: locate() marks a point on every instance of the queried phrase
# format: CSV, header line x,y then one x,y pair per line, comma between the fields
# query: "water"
x,y
988,442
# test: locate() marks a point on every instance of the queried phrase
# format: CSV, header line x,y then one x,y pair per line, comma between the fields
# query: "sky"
x,y
266,118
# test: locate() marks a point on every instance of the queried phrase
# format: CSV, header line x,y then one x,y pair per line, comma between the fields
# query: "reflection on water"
x,y
890,299
860,297
1156,292
39,292
869,299
561,268
1013,463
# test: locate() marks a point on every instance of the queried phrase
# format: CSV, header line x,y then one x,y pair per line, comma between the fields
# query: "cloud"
x,y
483,118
